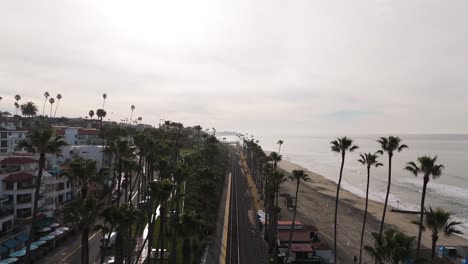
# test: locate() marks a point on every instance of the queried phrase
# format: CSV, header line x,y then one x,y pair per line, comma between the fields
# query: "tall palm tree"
x,y
198,128
104,97
389,145
440,220
188,225
29,109
369,160
280,142
166,187
101,113
133,109
83,212
390,248
46,95
341,146
17,98
42,140
91,114
83,172
51,101
59,96
427,167
17,106
298,176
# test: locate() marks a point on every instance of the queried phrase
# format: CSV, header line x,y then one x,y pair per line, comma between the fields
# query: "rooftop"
x,y
301,248
298,235
20,176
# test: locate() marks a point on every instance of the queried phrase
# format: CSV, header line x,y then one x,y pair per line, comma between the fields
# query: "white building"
x,y
9,138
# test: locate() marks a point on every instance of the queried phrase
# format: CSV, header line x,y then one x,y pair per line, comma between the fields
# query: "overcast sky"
x,y
278,67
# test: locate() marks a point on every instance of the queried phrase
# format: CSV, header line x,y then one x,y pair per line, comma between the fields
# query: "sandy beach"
x,y
316,207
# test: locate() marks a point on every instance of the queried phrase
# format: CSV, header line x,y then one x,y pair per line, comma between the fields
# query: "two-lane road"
x,y
245,245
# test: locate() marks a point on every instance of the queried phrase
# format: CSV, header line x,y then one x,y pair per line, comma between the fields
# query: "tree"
x,y
298,176
59,96
427,167
104,97
280,142
133,109
83,172
166,187
42,140
28,109
46,95
188,225
389,145
340,145
198,128
390,248
17,106
440,220
91,114
51,101
101,113
369,160
17,98
83,212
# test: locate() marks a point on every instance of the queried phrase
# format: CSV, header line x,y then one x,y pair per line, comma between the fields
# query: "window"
x,y
60,199
23,198
25,212
9,186
3,135
7,225
10,199
60,186
68,184
4,144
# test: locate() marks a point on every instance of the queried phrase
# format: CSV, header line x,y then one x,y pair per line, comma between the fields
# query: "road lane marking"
x,y
222,256
78,248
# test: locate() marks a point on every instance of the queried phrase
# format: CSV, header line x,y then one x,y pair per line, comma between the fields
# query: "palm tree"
x,y
51,101
131,115
17,98
29,109
91,114
189,224
17,106
104,97
340,145
427,167
369,160
59,96
391,248
101,113
46,95
198,128
440,220
83,212
83,172
280,142
41,140
166,187
298,176
389,145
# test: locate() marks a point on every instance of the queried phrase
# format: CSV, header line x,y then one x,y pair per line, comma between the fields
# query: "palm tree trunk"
x,y
55,113
84,245
365,215
336,206
160,249
435,237
389,183
43,107
293,222
421,217
119,182
32,231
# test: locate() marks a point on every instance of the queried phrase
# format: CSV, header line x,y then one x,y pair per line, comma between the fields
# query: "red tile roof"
x,y
20,176
88,131
301,248
298,236
17,160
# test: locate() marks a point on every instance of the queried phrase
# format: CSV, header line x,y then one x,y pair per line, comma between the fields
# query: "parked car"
x,y
109,241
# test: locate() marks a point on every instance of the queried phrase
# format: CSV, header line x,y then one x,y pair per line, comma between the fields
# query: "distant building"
x,y
9,138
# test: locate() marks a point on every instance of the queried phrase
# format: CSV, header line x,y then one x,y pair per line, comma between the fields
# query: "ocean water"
x,y
450,191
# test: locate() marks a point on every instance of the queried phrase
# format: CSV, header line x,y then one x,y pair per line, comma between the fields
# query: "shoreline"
x,y
316,206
